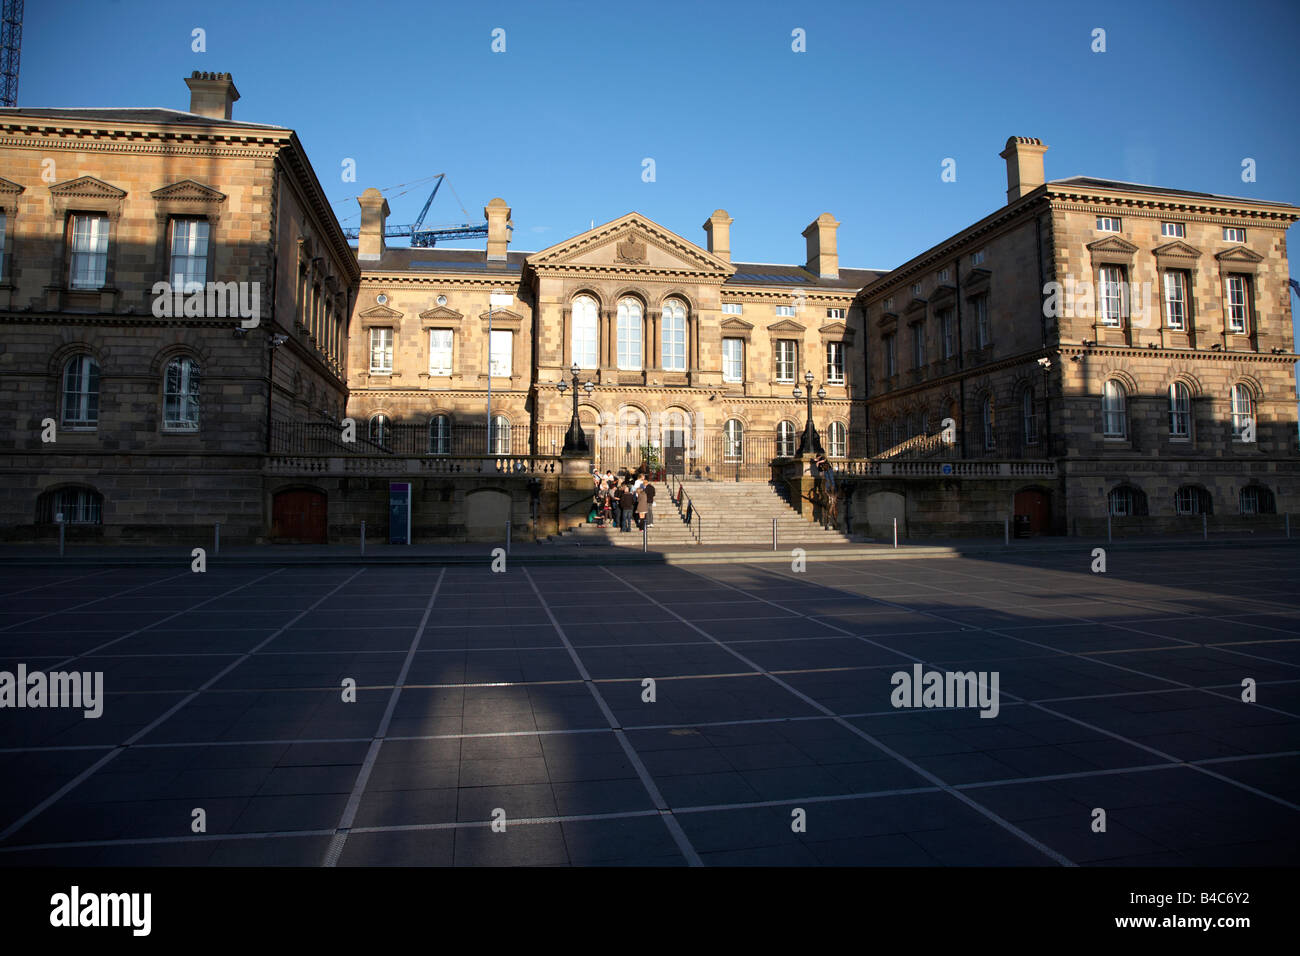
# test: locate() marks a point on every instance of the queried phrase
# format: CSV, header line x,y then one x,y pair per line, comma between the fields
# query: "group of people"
x,y
620,501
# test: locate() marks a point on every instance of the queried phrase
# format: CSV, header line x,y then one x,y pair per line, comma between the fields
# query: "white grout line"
x,y
1071,718
149,728
77,607
665,812
340,839
859,732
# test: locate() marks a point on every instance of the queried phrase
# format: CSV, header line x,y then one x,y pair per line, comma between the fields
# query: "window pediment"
x,y
380,313
787,325
1240,255
836,332
441,316
502,319
977,281
1176,250
89,193
916,305
187,190
1112,246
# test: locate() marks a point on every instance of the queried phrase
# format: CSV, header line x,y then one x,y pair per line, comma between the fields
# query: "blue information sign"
x,y
399,512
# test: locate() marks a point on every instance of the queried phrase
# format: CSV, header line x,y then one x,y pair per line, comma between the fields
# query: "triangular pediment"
x,y
380,312
1178,250
86,187
1239,254
187,190
787,325
631,243
501,315
9,189
915,305
441,313
1114,244
833,328
739,325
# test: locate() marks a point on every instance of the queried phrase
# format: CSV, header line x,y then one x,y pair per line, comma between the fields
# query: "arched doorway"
x,y
1037,504
299,515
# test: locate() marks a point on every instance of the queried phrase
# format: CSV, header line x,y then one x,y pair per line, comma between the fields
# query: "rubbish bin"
x,y
1020,526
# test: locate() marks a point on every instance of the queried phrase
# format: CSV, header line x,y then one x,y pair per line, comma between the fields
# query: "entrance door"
x,y
1035,504
299,515
674,451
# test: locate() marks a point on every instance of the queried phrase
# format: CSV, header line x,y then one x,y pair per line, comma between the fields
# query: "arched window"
x,y
81,392
674,336
1180,411
733,434
1114,421
1193,500
439,435
986,414
629,334
1028,417
500,435
1257,500
77,505
1126,501
585,336
836,440
785,440
181,395
632,431
1243,414
379,430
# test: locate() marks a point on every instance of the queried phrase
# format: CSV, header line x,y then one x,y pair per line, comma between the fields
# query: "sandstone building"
x,y
281,380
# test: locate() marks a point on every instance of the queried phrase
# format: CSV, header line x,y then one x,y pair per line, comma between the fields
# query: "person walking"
x,y
649,492
628,502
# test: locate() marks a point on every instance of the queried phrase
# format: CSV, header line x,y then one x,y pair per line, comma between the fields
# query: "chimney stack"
x,y
211,94
718,230
1024,156
823,259
497,214
374,216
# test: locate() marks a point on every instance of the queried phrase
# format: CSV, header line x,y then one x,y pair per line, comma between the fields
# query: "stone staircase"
x,y
724,513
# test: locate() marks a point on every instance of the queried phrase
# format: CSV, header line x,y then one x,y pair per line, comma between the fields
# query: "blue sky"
x,y
858,125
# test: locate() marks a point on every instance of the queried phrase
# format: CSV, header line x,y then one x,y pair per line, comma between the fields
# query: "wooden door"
x,y
299,515
1035,504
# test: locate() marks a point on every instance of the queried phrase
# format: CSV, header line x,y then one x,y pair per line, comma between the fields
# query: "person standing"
x,y
628,501
649,492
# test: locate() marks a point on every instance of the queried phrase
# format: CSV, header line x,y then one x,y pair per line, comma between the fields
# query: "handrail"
x,y
694,520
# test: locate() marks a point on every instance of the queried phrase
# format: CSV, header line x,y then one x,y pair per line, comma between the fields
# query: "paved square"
x,y
772,737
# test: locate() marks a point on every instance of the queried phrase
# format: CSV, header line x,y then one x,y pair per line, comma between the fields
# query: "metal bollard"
x,y
1205,527
896,532
773,534
1108,526
62,525
1288,524
1006,530
363,539
645,537
216,538
507,537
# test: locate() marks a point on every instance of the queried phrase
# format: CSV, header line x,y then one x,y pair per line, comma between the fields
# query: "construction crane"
x,y
424,237
11,48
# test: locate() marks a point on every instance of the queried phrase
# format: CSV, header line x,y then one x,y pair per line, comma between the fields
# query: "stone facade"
x,y
147,416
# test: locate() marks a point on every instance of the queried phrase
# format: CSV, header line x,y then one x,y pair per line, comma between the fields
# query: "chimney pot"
x,y
211,94
1024,156
823,258
717,229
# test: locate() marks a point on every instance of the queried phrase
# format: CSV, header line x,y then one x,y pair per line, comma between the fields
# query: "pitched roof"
x,y
404,259
766,273
150,115
1121,186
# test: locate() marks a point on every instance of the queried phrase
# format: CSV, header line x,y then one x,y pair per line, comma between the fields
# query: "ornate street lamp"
x,y
575,440
809,443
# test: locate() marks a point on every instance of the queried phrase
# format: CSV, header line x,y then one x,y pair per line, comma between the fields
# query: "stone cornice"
x,y
1085,198
1266,358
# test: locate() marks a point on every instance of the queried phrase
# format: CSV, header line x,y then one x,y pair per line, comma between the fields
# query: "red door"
x,y
299,515
1034,504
